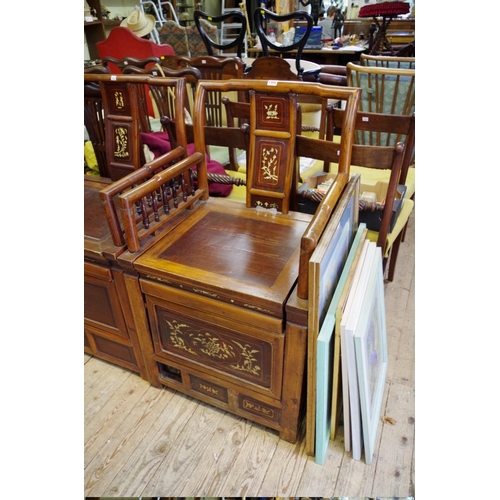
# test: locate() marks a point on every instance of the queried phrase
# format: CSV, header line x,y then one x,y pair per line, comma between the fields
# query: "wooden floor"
x,y
142,441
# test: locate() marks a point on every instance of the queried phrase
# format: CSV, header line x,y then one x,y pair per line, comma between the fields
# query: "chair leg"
x,y
394,256
406,225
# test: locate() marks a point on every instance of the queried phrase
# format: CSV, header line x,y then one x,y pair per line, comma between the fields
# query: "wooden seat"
x,y
237,40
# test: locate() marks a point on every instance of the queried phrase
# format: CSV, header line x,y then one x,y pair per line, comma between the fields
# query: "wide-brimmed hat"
x,y
138,22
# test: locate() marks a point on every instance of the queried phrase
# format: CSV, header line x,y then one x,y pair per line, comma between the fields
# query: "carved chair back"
x,y
123,122
272,173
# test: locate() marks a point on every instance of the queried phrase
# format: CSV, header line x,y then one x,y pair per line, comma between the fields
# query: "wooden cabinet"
x,y
108,324
105,330
94,31
216,313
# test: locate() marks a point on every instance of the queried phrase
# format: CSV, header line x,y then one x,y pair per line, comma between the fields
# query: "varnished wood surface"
x,y
144,441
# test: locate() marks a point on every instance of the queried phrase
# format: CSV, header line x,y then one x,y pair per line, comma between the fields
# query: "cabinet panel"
x,y
102,306
242,354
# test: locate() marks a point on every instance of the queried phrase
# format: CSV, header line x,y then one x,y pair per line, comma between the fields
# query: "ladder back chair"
x,y
379,161
388,91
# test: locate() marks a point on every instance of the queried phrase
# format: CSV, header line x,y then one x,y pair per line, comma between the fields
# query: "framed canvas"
x,y
370,341
325,267
325,364
348,325
336,403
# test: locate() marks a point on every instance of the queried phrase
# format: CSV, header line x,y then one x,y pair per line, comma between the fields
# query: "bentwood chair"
x,y
295,48
228,41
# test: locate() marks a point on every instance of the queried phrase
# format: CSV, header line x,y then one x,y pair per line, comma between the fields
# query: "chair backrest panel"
x,y
389,91
123,123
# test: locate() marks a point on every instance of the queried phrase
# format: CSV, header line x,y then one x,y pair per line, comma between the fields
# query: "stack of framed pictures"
x,y
352,354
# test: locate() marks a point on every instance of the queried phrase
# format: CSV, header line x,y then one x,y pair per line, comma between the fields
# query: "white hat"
x,y
138,22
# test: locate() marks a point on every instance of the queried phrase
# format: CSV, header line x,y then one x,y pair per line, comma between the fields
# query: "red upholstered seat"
x,y
384,9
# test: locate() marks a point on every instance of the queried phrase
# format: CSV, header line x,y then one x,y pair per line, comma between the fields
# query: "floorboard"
x,y
142,441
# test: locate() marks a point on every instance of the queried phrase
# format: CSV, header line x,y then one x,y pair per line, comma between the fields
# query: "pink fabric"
x,y
159,144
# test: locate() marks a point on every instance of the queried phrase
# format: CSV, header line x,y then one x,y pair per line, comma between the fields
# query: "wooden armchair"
x,y
213,287
227,42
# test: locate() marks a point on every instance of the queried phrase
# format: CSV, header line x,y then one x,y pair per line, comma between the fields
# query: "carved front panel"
x,y
118,98
273,112
270,155
259,408
209,388
122,142
215,346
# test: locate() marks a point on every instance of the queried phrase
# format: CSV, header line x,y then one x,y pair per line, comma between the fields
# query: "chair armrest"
x,y
108,194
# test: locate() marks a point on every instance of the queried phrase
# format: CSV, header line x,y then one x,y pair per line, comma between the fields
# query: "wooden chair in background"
x,y
211,68
389,163
122,42
282,20
390,91
387,61
93,119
